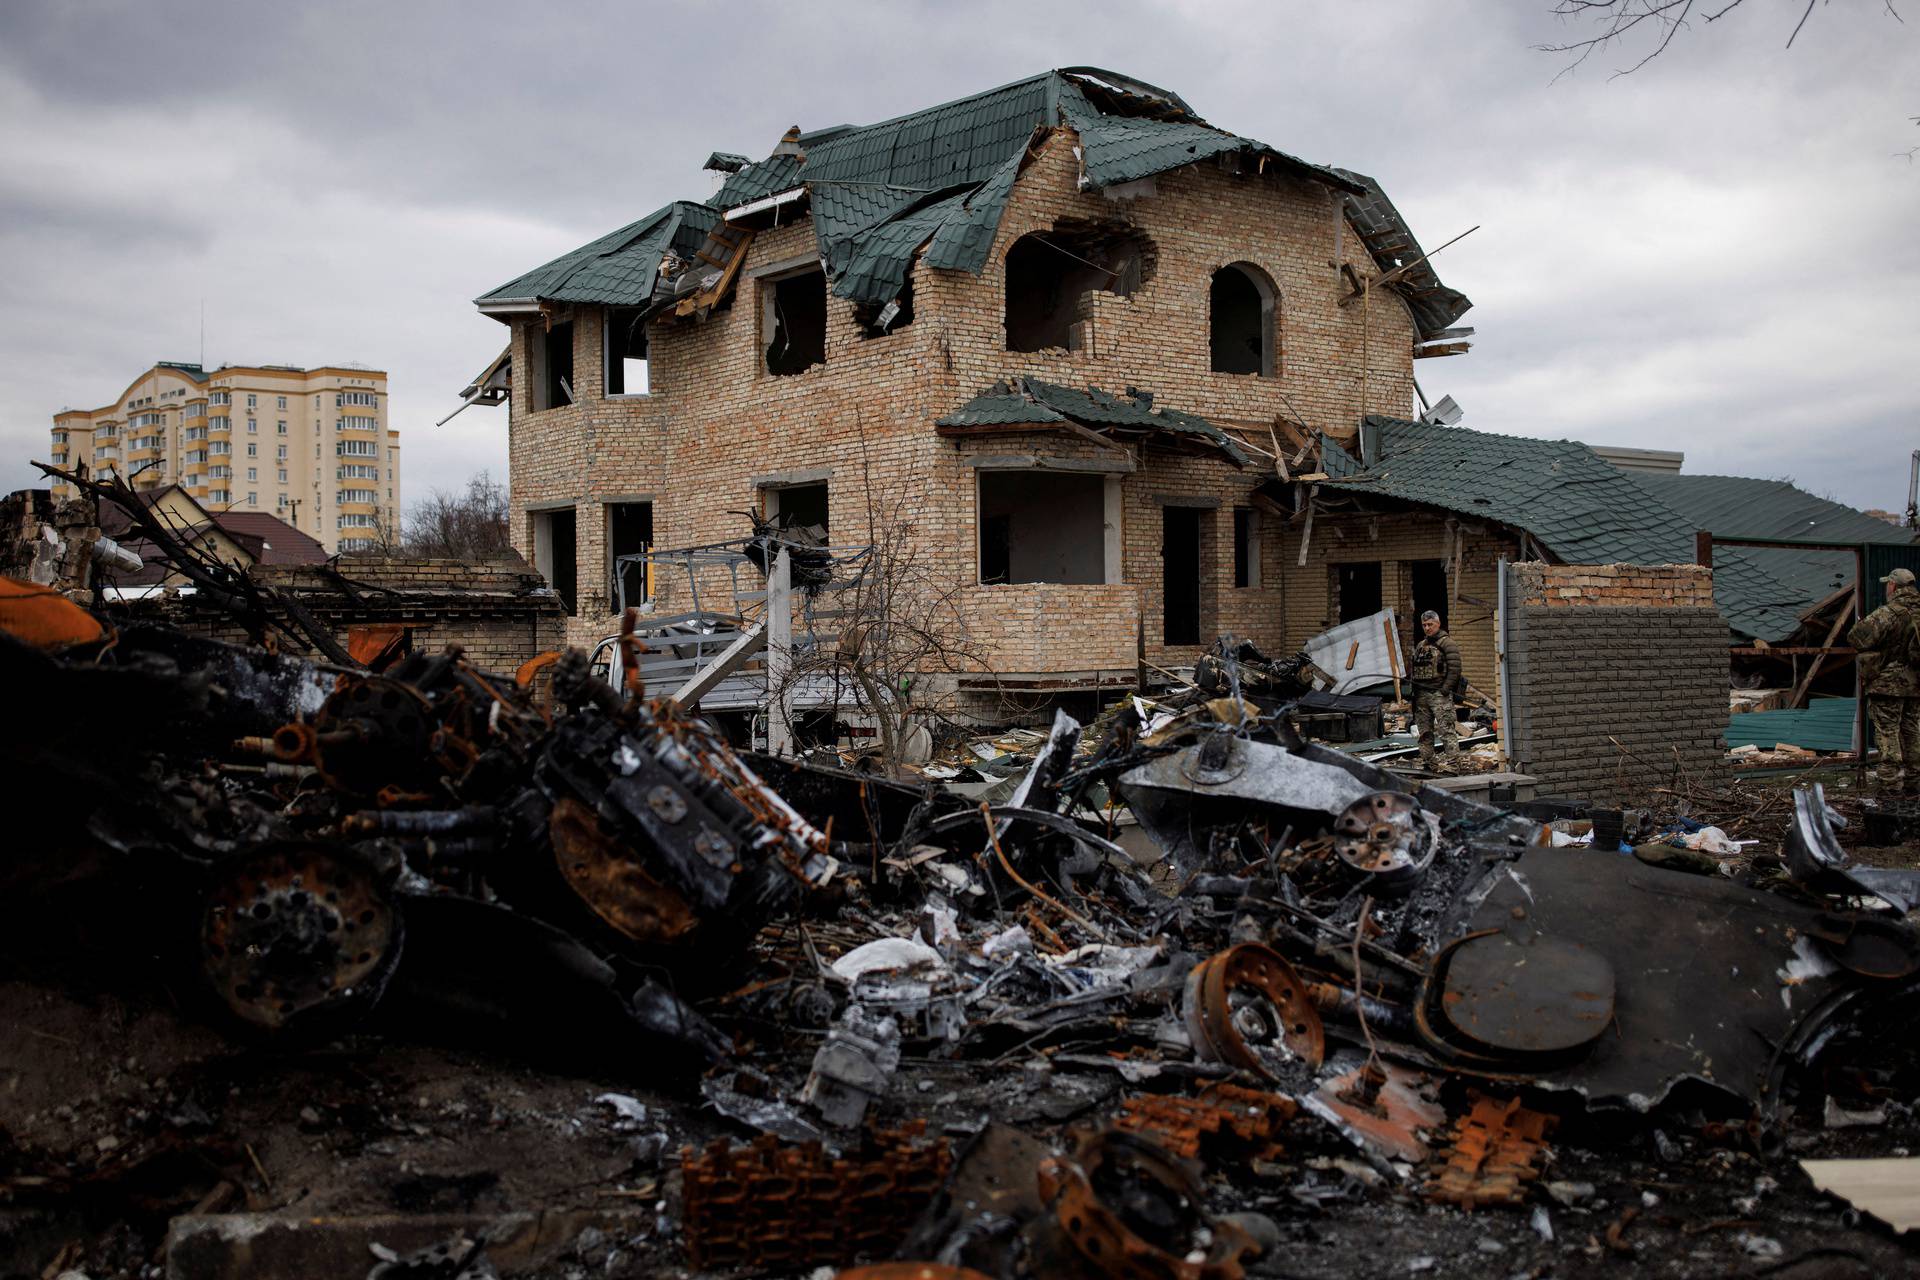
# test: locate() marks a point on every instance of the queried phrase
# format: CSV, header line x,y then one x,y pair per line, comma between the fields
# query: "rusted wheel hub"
x,y
1387,838
295,929
1248,1008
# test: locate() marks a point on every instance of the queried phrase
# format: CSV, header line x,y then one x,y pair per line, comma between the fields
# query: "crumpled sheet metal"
x,y
1709,976
1230,770
1815,857
1373,642
1495,1153
771,1205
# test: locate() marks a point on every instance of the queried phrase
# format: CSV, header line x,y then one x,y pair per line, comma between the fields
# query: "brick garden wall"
x,y
715,421
1618,677
500,612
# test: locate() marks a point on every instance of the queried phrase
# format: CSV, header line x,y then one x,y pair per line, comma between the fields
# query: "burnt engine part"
x,y
294,930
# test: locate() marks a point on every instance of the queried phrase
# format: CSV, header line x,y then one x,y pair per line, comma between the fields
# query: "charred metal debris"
x,y
1208,955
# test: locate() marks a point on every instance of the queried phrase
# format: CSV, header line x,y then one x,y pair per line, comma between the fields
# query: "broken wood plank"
x,y
1443,349
1805,686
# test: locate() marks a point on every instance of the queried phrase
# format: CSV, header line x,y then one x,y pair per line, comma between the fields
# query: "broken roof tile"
x,y
862,179
1031,401
1579,506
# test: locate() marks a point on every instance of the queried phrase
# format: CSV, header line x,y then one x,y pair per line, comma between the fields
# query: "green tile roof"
x,y
1742,507
943,174
1024,401
621,268
1580,507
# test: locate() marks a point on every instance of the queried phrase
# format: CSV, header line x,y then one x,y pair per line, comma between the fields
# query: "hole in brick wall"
x,y
1049,272
1242,309
878,320
628,373
794,318
1428,580
1042,527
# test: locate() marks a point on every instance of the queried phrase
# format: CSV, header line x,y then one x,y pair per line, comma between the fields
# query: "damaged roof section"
x,y
1581,508
940,178
1031,402
1391,243
619,269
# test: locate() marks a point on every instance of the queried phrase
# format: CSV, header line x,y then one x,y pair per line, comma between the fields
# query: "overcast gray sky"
x,y
1716,253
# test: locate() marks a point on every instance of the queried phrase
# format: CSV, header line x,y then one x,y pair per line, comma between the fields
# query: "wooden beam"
x,y
1442,349
1799,698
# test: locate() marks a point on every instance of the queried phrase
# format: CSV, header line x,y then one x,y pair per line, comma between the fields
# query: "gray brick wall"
x,y
1608,703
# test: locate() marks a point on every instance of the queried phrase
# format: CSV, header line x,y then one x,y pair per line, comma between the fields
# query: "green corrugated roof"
x,y
945,171
620,268
1581,507
1825,725
1742,507
1030,401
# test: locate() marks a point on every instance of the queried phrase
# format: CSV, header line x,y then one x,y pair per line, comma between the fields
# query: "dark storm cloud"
x,y
1713,254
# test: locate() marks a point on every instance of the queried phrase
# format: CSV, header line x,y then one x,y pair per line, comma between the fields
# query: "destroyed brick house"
x,y
1130,381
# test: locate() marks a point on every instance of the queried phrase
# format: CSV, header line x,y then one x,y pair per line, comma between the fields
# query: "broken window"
x,y
1356,589
1050,272
1041,526
626,357
553,553
552,352
878,321
1246,547
629,536
793,316
1241,315
799,508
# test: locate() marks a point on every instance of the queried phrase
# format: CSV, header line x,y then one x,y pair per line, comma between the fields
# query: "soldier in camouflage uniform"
x,y
1437,681
1888,643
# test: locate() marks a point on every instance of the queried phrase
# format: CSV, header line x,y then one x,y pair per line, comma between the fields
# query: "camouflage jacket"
x,y
1888,640
1436,665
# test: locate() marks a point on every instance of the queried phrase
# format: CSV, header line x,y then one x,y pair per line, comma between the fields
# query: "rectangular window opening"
x,y
629,537
1039,526
554,546
798,509
626,357
1246,547
1356,589
1181,576
552,352
1428,579
794,321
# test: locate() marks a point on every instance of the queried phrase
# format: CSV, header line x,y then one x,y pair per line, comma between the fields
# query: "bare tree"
x,y
1624,22
456,525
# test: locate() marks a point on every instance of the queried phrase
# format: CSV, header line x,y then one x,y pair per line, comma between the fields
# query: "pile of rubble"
x,y
968,1032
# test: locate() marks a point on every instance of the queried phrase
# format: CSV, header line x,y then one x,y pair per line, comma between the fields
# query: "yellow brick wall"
x,y
715,420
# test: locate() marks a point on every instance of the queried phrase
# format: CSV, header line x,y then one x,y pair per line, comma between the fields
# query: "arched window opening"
x,y
1240,304
1049,273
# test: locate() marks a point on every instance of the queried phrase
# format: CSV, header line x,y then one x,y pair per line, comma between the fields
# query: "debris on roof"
x,y
1031,402
940,177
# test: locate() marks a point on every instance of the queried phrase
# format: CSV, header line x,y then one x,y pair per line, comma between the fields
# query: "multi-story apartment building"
x,y
1058,331
311,446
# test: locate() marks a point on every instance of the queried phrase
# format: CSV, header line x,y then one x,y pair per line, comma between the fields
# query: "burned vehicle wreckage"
x,y
1309,962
